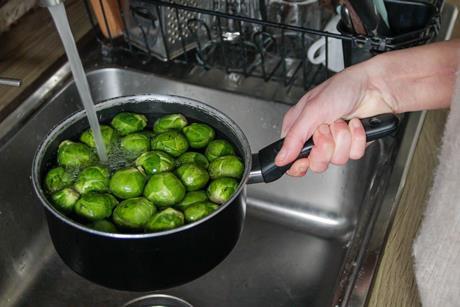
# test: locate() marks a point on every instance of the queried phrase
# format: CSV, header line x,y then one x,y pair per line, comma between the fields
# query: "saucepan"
x,y
151,261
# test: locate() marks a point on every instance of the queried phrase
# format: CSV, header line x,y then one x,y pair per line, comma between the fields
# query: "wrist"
x,y
381,74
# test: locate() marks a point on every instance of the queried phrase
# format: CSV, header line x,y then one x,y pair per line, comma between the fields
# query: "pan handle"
x,y
265,170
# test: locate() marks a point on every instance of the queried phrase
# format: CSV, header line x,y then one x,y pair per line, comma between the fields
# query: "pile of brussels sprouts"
x,y
176,174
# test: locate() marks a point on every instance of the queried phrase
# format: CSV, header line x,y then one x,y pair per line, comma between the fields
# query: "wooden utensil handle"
x,y
112,25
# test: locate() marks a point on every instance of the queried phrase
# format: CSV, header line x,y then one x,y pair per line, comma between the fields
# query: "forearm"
x,y
417,78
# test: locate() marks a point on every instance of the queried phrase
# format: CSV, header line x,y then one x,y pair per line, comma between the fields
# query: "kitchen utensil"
x,y
303,13
243,8
407,16
160,260
317,52
370,14
108,17
164,32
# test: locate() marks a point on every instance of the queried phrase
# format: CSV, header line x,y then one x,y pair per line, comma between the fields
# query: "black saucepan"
x,y
153,261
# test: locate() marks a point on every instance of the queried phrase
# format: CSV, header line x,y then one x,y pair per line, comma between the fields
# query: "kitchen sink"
x,y
313,241
297,235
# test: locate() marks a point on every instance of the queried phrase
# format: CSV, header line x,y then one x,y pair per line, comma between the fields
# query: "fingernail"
x,y
324,129
281,155
355,123
302,169
283,133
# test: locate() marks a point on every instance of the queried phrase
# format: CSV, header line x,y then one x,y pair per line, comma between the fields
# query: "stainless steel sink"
x,y
296,237
313,241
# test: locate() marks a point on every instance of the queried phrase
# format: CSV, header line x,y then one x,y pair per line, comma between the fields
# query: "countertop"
x,y
32,49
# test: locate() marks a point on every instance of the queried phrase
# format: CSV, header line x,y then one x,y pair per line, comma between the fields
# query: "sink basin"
x,y
297,234
313,241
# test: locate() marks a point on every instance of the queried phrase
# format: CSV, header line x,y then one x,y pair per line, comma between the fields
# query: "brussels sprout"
x,y
193,176
192,198
94,206
135,144
221,190
165,220
133,213
57,179
198,211
226,166
169,122
199,135
108,136
171,142
164,189
103,225
153,162
126,123
218,148
193,157
71,154
65,199
93,178
127,183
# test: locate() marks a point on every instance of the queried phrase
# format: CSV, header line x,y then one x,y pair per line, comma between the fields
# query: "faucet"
x,y
10,82
48,3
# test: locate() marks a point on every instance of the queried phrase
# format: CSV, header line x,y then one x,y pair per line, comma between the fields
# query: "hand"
x,y
351,94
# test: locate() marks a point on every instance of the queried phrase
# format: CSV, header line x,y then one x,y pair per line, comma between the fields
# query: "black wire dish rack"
x,y
240,36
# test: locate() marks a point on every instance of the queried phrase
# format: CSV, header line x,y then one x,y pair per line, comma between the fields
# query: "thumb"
x,y
301,130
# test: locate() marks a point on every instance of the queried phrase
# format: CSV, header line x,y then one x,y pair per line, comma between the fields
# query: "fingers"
x,y
298,125
343,140
358,137
299,168
299,132
323,150
336,144
320,155
289,119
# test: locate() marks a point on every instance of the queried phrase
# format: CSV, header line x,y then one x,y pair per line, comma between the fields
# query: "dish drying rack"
x,y
213,35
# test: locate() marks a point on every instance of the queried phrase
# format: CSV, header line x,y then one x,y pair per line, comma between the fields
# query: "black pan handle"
x,y
265,170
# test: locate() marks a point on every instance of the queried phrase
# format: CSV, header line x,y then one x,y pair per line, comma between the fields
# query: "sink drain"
x,y
157,300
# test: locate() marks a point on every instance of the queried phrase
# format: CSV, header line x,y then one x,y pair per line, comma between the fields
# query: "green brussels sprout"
x,y
57,179
169,122
193,157
165,220
65,199
108,136
198,211
133,213
127,183
193,176
71,154
93,178
156,161
135,144
171,142
218,148
192,198
199,135
103,225
94,206
221,190
226,166
164,189
126,123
